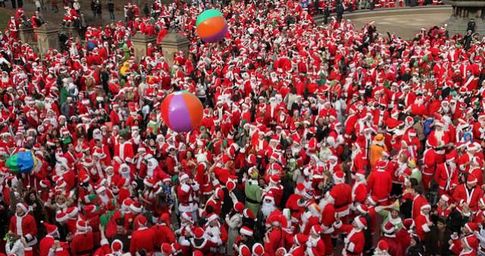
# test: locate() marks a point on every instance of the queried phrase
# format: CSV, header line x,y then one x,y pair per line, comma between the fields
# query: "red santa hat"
x,y
316,229
82,226
90,209
117,246
408,223
339,177
49,228
275,179
445,198
45,183
471,227
212,217
300,239
389,228
244,250
249,214
258,249
360,222
382,245
251,159
136,207
471,180
239,207
23,206
471,242
246,231
362,208
141,220
198,232
230,185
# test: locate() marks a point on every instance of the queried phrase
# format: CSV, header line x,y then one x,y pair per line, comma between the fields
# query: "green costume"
x,y
253,195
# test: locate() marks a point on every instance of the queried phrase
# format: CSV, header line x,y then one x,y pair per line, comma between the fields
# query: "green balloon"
x,y
207,14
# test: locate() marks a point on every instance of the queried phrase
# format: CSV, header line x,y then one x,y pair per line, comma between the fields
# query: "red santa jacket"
x,y
355,240
422,225
142,239
273,240
446,178
470,196
82,244
24,226
315,247
379,184
45,245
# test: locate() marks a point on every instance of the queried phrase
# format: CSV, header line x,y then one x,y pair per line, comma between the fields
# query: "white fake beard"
x,y
439,135
267,209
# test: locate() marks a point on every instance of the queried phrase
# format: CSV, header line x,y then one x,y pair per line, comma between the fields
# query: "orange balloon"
x,y
210,27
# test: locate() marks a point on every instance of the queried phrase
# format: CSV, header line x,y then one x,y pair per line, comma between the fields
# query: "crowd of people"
x,y
316,140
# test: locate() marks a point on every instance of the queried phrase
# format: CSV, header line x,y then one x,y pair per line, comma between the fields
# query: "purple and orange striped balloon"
x,y
211,26
182,111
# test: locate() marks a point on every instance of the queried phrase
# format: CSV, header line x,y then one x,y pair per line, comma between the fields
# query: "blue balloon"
x,y
91,45
25,161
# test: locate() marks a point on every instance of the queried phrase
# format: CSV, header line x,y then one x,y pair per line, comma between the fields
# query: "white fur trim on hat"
x,y
246,231
23,207
359,223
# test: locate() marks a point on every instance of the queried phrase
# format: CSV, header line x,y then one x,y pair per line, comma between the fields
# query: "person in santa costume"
x,y
447,174
379,182
142,238
186,193
24,225
382,249
389,236
82,242
469,245
315,245
355,239
46,245
468,193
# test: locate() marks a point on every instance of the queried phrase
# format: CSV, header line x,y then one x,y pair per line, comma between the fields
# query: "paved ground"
x,y
405,25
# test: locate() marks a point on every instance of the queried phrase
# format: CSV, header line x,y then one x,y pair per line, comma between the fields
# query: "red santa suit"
x,y
24,226
142,238
447,175
355,239
47,242
469,195
83,240
123,153
315,244
429,166
379,183
422,222
341,196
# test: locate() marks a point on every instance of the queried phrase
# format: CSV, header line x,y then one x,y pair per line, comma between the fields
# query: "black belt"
x,y
252,201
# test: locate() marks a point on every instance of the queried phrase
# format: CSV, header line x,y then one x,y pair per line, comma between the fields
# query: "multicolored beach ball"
x,y
211,26
182,111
